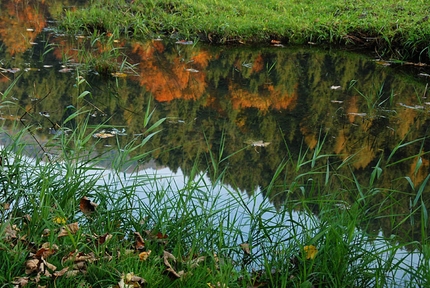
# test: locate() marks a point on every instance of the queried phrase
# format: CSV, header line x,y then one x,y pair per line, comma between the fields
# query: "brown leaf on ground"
x,y
61,272
71,228
40,266
79,257
130,280
169,256
218,285
166,257
87,206
140,243
74,273
10,232
19,282
47,250
46,232
144,255
171,271
31,265
104,238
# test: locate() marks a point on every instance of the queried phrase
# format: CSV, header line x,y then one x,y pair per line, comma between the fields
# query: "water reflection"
x,y
221,100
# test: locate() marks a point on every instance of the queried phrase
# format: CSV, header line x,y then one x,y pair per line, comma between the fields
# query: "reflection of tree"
x,y
20,23
171,80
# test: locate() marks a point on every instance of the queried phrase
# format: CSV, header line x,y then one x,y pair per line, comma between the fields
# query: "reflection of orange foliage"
x,y
352,108
268,97
258,64
406,117
339,145
202,59
421,173
147,49
65,47
178,81
363,157
310,138
15,19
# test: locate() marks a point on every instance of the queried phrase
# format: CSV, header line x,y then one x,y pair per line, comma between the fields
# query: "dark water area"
x,y
295,112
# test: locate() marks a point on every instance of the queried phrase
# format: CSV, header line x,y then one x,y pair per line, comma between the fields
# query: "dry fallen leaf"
x,y
78,257
20,282
144,255
71,228
104,238
31,265
46,250
87,206
61,272
140,243
169,256
130,281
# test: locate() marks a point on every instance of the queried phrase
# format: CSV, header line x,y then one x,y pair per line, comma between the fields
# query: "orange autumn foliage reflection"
x,y
266,98
179,80
19,25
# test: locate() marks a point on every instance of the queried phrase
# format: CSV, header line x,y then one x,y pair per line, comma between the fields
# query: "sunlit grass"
x,y
395,28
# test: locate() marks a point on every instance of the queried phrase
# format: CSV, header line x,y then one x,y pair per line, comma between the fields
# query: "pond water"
x,y
259,110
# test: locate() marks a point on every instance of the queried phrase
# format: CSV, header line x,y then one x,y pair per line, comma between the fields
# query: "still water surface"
x,y
272,108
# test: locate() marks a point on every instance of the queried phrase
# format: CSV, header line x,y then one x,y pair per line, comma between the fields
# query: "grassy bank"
x,y
393,28
65,222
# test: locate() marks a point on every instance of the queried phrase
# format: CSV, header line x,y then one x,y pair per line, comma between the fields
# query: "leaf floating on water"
x,y
12,70
103,135
44,114
65,70
335,87
191,70
258,143
357,114
383,63
119,74
424,75
31,69
415,107
183,42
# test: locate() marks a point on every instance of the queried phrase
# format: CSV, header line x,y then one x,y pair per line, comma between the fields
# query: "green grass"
x,y
393,28
198,232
